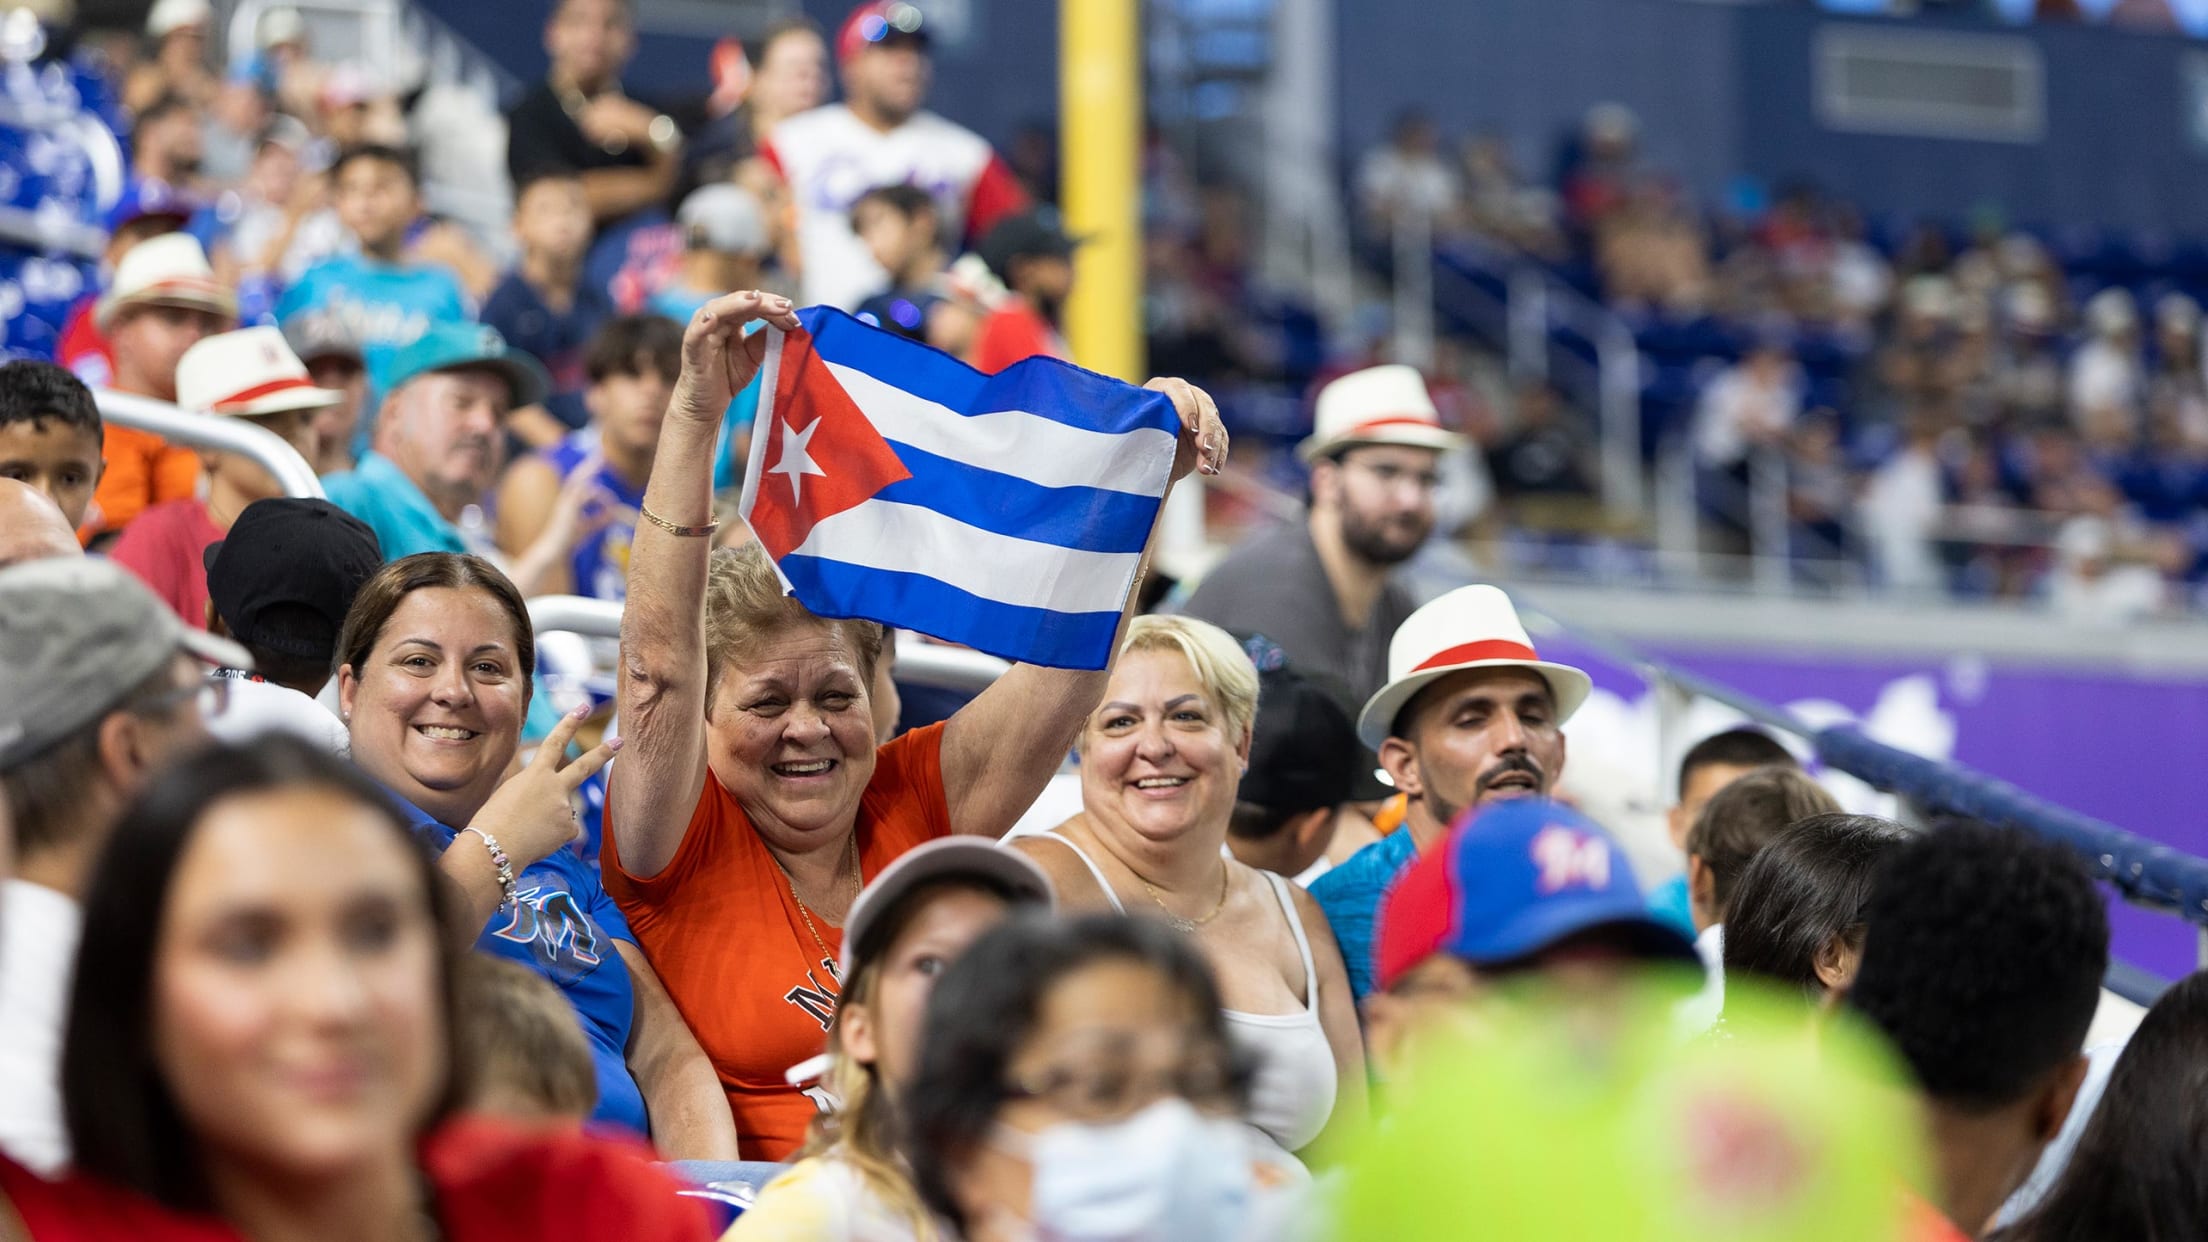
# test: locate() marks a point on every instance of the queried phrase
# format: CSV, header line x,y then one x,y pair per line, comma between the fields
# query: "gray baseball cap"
x,y
77,634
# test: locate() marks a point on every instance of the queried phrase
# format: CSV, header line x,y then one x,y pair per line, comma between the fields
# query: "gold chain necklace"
x,y
807,915
1189,925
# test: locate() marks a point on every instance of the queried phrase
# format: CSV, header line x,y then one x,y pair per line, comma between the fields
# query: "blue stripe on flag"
x,y
1089,518
1079,640
1045,387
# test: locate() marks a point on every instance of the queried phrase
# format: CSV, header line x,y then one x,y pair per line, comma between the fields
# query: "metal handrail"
x,y
918,664
212,431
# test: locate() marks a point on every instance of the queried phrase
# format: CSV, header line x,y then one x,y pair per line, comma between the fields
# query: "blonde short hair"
x,y
1221,666
745,605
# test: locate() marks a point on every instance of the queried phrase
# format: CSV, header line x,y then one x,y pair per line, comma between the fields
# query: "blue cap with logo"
x,y
1515,878
470,347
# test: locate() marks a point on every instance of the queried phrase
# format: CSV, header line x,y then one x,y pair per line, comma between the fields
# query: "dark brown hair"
x,y
124,1123
381,596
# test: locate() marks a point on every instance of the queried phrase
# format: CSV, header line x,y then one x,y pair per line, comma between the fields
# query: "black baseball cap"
x,y
1030,234
285,576
1304,752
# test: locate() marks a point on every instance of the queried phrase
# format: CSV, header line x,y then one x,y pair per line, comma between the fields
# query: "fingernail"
x,y
615,744
579,711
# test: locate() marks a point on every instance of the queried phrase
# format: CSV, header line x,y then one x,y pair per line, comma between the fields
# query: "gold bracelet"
x,y
686,532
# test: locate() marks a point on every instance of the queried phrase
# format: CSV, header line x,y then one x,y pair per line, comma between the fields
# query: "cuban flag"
x,y
1008,512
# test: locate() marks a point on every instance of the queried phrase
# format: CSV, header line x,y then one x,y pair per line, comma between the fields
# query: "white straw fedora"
x,y
1378,405
247,373
1470,627
169,270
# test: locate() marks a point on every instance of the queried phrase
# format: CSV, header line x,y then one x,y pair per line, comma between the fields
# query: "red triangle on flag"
x,y
823,455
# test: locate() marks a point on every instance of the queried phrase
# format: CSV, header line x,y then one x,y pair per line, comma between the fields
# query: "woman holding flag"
x,y
751,804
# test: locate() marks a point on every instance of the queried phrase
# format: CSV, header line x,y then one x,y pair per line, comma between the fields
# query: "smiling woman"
x,y
434,683
752,803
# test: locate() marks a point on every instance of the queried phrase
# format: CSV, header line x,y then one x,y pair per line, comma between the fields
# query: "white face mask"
x,y
1166,1174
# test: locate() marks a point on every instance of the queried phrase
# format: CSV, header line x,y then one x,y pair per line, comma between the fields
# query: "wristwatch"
x,y
664,136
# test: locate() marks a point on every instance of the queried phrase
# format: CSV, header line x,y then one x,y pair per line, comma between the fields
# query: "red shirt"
x,y
83,348
167,548
1014,332
492,1183
727,938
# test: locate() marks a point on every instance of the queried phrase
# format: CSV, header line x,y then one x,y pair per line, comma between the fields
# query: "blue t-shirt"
x,y
599,565
405,522
1350,894
562,925
558,339
385,305
1668,902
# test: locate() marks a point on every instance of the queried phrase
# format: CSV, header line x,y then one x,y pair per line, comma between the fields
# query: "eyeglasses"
x,y
211,696
1106,1089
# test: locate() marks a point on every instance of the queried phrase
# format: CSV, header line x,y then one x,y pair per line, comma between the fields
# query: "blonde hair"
x,y
1220,664
745,606
533,1060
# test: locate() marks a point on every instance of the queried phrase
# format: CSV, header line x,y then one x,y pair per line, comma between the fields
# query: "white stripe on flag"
x,y
910,539
1040,450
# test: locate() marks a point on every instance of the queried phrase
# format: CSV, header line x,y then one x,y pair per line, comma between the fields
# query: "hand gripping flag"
x,y
1007,512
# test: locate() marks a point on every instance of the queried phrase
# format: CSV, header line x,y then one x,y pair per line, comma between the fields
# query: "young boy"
x,y
387,300
1033,256
536,1068
50,435
724,243
903,229
544,307
633,364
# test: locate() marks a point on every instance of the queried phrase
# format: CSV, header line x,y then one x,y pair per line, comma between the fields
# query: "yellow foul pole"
x,y
1100,132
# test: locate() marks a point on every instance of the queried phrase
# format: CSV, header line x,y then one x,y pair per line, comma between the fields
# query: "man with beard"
x,y
1324,590
438,438
1471,714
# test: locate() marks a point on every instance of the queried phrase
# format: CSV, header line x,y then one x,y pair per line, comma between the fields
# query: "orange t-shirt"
x,y
721,928
141,470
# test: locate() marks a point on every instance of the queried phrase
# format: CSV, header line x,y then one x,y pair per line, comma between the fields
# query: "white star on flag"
x,y
796,462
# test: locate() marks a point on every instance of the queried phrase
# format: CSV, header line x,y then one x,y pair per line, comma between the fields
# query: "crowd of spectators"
x,y
1960,407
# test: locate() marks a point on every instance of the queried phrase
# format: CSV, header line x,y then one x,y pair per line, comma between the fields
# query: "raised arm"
x,y
1001,749
662,681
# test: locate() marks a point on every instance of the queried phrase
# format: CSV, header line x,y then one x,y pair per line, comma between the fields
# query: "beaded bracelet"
x,y
504,864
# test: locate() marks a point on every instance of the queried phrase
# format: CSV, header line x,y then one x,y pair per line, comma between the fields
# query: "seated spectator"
x,y
86,713
251,375
1987,1002
1304,768
580,120
433,679
1033,256
387,300
1522,887
917,917
1708,766
1735,825
543,306
437,441
280,583
31,528
2107,378
50,435
1407,178
903,229
1795,920
632,365
265,920
786,73
532,1064
257,227
164,300
178,67
717,812
724,245
1072,1067
1160,764
1543,466
1749,407
334,361
147,209
2131,1174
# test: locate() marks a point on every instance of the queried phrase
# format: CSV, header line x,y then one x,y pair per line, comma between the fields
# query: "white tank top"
x,y
1293,1094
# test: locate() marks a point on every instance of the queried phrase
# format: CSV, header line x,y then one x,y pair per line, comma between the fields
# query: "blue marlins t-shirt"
x,y
1350,895
599,565
562,925
385,305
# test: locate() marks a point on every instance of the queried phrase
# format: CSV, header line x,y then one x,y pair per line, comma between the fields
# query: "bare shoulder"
x,y
1070,878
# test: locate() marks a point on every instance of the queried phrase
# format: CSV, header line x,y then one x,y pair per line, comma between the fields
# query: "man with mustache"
x,y
1325,589
1471,715
438,439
